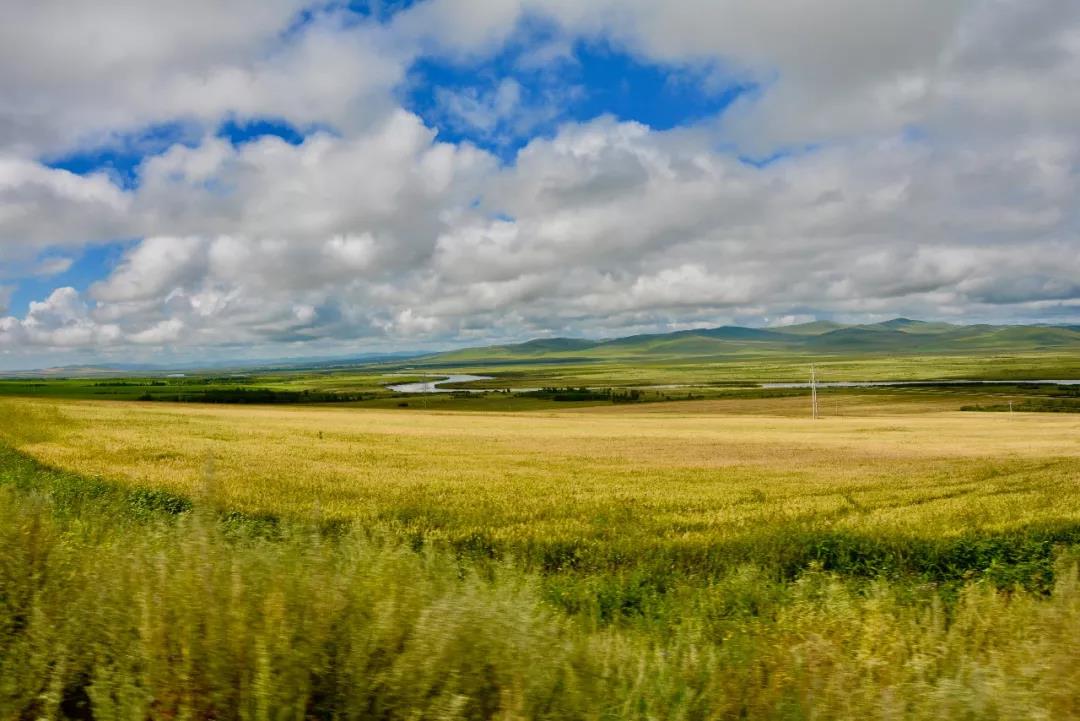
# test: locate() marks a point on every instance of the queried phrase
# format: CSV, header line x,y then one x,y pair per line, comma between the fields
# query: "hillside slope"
x,y
896,336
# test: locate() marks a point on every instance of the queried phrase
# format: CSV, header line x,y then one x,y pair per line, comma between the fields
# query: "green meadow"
x,y
706,551
626,529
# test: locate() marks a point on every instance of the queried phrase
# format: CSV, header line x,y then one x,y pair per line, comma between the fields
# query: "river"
x,y
433,386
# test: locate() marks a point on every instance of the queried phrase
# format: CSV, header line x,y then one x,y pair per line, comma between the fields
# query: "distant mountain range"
x,y
275,364
899,335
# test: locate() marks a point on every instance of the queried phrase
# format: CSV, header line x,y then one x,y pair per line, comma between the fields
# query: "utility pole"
x,y
813,392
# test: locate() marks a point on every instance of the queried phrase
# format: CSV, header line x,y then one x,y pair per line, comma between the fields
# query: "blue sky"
x,y
120,157
690,163
120,160
557,84
587,79
87,265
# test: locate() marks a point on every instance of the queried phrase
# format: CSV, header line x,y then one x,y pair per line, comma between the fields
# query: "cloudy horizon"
x,y
270,178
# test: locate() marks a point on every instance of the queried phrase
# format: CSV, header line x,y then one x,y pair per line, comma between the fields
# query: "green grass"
x,y
677,382
116,607
898,337
1028,407
695,560
776,367
136,387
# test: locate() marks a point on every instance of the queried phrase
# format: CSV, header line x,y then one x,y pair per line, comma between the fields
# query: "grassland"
x,y
682,466
655,381
896,349
763,367
720,558
115,608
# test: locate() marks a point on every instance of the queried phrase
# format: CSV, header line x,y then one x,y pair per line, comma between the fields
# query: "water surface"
x,y
433,386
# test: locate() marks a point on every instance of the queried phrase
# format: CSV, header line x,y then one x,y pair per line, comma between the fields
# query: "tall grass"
x,y
614,510
115,607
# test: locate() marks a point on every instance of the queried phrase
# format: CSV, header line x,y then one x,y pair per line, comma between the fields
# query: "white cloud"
x,y
60,321
501,111
481,111
42,207
154,269
83,73
828,70
930,170
166,331
54,265
393,176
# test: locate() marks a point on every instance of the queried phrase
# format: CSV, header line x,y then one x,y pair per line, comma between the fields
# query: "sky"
x,y
281,178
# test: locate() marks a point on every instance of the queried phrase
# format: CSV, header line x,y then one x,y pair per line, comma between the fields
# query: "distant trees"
x,y
571,394
254,395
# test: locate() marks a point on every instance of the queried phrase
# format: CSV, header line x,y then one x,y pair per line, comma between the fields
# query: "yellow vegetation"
x,y
680,472
722,559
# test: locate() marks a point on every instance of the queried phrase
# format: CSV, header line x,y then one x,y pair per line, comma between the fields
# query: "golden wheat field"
x,y
687,472
696,560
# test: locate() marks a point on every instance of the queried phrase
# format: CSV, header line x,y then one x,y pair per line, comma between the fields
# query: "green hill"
x,y
816,327
897,336
906,325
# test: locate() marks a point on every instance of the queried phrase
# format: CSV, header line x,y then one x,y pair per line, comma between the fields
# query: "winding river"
x,y
433,386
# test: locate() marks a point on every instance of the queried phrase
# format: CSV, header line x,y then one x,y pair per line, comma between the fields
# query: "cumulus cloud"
x,y
394,178
84,73
166,331
621,220
915,158
42,207
60,321
154,269
828,69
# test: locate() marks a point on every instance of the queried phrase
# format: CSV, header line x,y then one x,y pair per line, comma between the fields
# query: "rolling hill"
x,y
897,336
